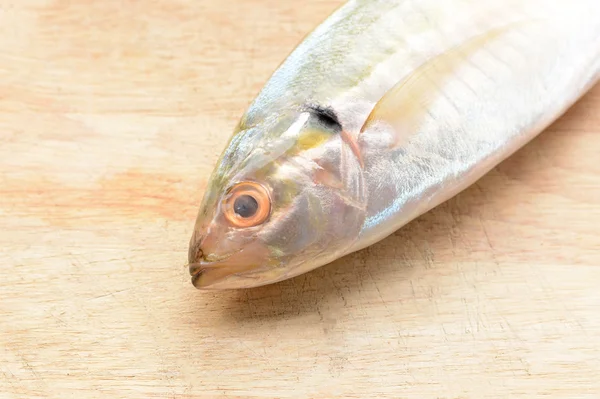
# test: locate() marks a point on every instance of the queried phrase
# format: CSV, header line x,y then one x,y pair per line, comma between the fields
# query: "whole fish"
x,y
386,110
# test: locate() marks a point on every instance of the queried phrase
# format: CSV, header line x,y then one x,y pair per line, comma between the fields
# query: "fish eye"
x,y
247,204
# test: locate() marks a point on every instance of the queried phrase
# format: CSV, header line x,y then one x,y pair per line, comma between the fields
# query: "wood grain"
x,y
112,114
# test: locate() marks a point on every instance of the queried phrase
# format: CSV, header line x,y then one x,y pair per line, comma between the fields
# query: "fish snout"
x,y
195,252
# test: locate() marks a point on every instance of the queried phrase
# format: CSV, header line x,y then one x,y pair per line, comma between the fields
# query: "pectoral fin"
x,y
406,104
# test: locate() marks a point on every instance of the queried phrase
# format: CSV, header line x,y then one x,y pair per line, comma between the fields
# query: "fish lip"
x,y
226,270
201,266
198,266
196,272
198,269
195,268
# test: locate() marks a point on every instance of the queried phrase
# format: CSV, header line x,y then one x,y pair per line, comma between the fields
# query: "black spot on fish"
x,y
326,117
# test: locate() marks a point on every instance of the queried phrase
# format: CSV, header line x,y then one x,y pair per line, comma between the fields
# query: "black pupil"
x,y
245,206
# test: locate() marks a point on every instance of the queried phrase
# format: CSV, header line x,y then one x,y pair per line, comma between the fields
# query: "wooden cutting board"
x,y
112,114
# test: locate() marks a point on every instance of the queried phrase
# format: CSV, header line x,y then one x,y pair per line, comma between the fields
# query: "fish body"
x,y
386,110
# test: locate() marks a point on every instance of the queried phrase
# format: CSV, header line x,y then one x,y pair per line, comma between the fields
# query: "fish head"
x,y
285,197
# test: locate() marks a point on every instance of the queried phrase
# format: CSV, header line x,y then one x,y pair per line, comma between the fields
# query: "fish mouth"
x,y
224,274
243,268
206,274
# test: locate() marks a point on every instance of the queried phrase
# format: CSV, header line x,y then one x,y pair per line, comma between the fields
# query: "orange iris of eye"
x,y
247,204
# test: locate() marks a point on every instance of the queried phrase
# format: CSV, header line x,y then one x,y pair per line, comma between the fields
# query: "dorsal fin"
x,y
405,104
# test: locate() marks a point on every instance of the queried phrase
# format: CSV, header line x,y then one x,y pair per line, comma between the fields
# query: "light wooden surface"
x,y
112,114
